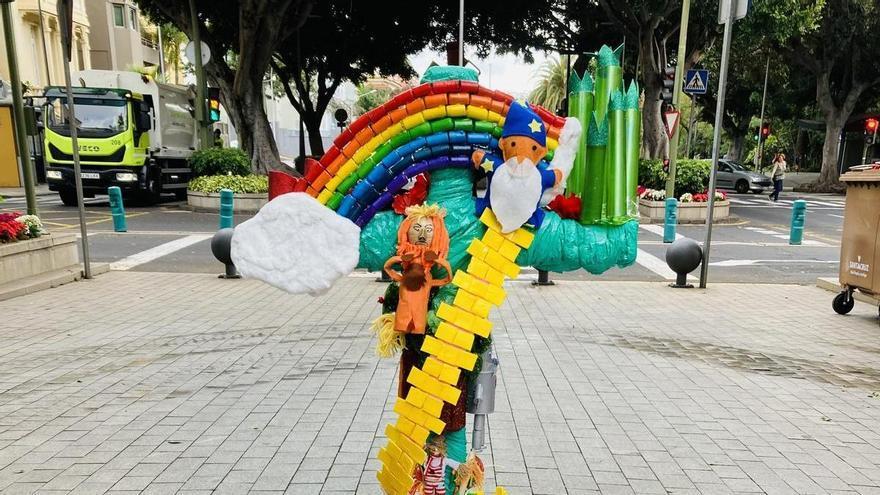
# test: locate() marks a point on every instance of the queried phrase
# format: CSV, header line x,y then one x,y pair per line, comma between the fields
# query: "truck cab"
x,y
132,133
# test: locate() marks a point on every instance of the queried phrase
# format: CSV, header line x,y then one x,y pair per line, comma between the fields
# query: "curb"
x,y
832,285
49,280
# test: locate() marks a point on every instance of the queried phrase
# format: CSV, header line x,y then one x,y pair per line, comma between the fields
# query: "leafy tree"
x,y
349,41
831,40
369,98
655,24
252,30
172,41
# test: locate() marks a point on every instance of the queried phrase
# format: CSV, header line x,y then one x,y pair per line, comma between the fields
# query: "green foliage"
x,y
236,183
370,98
692,176
550,90
220,161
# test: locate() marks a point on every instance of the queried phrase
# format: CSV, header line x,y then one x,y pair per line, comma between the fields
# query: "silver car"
x,y
733,175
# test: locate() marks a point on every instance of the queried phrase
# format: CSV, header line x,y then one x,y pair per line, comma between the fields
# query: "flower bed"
x,y
17,227
692,208
250,192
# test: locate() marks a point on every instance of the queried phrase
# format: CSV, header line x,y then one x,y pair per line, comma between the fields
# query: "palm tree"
x,y
172,39
550,91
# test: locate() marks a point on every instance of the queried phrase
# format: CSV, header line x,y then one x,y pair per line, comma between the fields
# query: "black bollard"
x,y
543,279
683,257
221,246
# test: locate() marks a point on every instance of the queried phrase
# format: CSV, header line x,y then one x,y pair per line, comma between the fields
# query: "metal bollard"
x,y
481,397
225,209
798,220
117,209
221,246
671,221
543,279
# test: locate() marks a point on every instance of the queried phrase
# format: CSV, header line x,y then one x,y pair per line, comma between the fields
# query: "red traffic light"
x,y
765,131
871,126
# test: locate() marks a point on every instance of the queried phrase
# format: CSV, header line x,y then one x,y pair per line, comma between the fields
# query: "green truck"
x,y
132,132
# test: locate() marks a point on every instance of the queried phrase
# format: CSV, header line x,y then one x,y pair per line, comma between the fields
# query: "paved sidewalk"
x,y
164,383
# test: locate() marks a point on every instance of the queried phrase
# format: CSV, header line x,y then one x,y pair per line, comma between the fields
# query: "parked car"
x,y
733,175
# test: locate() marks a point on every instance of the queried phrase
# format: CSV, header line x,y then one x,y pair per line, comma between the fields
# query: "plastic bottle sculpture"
x,y
319,228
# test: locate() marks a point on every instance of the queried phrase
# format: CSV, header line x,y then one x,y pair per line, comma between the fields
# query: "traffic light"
x,y
668,85
213,105
871,131
765,131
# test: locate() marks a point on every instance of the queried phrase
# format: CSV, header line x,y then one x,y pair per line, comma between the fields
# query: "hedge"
x,y
236,183
220,161
692,176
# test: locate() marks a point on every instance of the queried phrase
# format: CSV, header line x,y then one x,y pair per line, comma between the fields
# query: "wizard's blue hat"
x,y
523,121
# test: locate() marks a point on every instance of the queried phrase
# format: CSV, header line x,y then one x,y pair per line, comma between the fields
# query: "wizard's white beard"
x,y
516,189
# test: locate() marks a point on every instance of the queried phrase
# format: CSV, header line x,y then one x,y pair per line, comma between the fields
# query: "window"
x,y
118,15
80,56
133,16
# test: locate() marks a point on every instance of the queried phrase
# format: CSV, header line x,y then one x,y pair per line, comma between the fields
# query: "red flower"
x,y
11,230
640,190
414,196
566,207
381,300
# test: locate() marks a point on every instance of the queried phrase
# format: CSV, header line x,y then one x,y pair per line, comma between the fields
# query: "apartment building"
x,y
38,43
120,38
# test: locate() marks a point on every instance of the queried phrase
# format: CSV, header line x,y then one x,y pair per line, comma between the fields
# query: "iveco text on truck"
x,y
132,132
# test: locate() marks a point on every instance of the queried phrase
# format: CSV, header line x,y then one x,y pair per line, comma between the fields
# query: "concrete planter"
x,y
241,202
24,259
655,211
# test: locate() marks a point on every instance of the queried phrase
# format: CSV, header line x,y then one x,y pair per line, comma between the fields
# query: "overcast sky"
x,y
507,73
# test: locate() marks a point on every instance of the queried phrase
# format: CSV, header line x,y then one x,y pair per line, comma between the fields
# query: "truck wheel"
x,y
68,196
742,186
843,304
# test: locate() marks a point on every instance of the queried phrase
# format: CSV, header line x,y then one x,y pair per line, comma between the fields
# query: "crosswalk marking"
x,y
811,203
157,252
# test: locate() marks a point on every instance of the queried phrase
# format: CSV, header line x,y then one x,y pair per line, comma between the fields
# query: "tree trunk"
x,y
737,143
248,116
830,149
312,121
655,143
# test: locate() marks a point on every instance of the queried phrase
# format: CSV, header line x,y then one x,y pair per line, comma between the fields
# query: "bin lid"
x,y
862,173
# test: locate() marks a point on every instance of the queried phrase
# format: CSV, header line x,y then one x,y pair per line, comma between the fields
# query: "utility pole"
x,y
24,152
65,19
676,92
161,53
461,33
692,124
716,141
196,38
759,156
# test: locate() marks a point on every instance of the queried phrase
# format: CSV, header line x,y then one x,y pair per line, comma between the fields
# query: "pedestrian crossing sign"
x,y
696,82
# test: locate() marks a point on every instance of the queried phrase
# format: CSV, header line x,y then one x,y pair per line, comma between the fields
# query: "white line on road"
x,y
657,229
761,262
655,265
157,252
835,216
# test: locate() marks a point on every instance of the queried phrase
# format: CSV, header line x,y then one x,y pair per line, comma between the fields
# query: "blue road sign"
x,y
696,82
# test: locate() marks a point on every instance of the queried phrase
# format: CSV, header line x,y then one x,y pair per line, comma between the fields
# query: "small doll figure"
x,y
430,479
422,242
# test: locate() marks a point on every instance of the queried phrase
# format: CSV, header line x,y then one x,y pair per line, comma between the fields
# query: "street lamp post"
x,y
18,108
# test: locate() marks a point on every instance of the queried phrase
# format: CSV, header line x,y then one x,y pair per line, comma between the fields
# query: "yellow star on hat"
x,y
488,165
535,126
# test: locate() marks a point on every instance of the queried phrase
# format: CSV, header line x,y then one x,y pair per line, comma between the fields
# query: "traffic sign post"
x,y
696,82
671,118
731,7
679,75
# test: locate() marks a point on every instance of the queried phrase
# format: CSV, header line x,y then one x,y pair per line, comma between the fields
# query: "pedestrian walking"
x,y
777,172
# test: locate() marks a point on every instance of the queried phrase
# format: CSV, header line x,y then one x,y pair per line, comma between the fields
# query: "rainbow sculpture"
x,y
344,220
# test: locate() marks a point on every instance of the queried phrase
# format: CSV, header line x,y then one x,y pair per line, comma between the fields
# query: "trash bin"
x,y
860,246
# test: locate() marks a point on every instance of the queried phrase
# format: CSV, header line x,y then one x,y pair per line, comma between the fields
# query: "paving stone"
x,y
239,388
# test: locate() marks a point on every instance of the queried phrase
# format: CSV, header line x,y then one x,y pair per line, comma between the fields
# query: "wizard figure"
x,y
518,180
